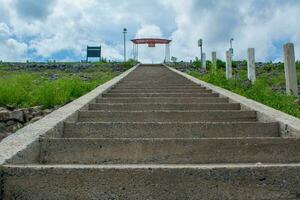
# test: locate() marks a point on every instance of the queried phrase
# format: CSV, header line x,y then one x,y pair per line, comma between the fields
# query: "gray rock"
x,y
2,126
4,114
17,115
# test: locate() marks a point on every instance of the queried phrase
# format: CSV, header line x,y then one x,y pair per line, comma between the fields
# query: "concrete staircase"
x,y
156,135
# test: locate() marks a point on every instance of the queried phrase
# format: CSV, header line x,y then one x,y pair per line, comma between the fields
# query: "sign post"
x,y
93,52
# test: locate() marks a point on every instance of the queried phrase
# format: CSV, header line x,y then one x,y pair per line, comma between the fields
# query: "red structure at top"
x,y
151,43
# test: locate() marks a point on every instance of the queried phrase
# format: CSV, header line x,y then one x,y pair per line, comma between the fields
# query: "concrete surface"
x,y
153,182
169,151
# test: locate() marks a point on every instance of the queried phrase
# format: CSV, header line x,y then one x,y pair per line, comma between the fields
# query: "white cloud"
x,y
150,54
13,50
4,29
50,27
149,31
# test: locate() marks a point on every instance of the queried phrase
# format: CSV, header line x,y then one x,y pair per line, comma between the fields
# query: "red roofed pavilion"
x,y
151,42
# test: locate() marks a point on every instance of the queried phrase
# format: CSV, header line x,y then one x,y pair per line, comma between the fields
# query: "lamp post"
x,y
231,49
124,32
200,44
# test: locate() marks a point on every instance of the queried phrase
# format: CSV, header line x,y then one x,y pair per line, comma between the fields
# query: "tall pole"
x,y
87,51
231,48
201,55
124,32
200,44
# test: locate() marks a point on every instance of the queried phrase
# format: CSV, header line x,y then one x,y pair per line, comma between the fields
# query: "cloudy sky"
x,y
60,29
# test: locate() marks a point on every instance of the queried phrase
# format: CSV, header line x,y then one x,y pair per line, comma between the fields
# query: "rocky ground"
x,y
12,119
189,66
66,67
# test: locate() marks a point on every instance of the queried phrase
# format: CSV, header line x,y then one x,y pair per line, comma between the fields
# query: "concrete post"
x,y
228,65
251,65
203,60
214,59
290,69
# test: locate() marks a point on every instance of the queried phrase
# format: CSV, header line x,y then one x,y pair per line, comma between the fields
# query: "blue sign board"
x,y
93,52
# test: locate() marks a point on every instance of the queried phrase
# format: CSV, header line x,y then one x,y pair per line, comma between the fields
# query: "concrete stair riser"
x,y
170,130
166,116
161,95
170,151
113,91
152,182
158,87
153,107
172,100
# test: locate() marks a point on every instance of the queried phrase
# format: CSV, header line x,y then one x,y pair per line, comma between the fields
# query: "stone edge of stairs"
x,y
289,125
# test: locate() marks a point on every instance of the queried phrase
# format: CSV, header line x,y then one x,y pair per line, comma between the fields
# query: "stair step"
x,y
162,100
170,130
170,151
201,90
160,95
152,106
146,87
165,116
157,83
159,182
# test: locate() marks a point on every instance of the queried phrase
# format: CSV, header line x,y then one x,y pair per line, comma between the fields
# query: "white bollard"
x,y
228,65
214,59
290,69
251,65
203,60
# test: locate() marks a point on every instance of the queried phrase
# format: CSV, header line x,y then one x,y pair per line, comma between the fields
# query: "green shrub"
x,y
15,90
129,64
221,64
298,65
260,91
29,89
197,63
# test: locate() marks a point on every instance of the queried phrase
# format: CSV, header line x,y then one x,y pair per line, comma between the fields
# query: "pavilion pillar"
x,y
167,53
137,52
133,51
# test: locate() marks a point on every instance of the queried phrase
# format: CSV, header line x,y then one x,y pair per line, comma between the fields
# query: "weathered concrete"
x,y
214,59
165,116
228,65
162,100
162,106
251,65
145,87
160,90
159,182
290,70
170,151
170,129
160,95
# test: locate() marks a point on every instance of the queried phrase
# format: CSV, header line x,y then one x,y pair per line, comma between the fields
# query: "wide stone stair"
x,y
157,135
